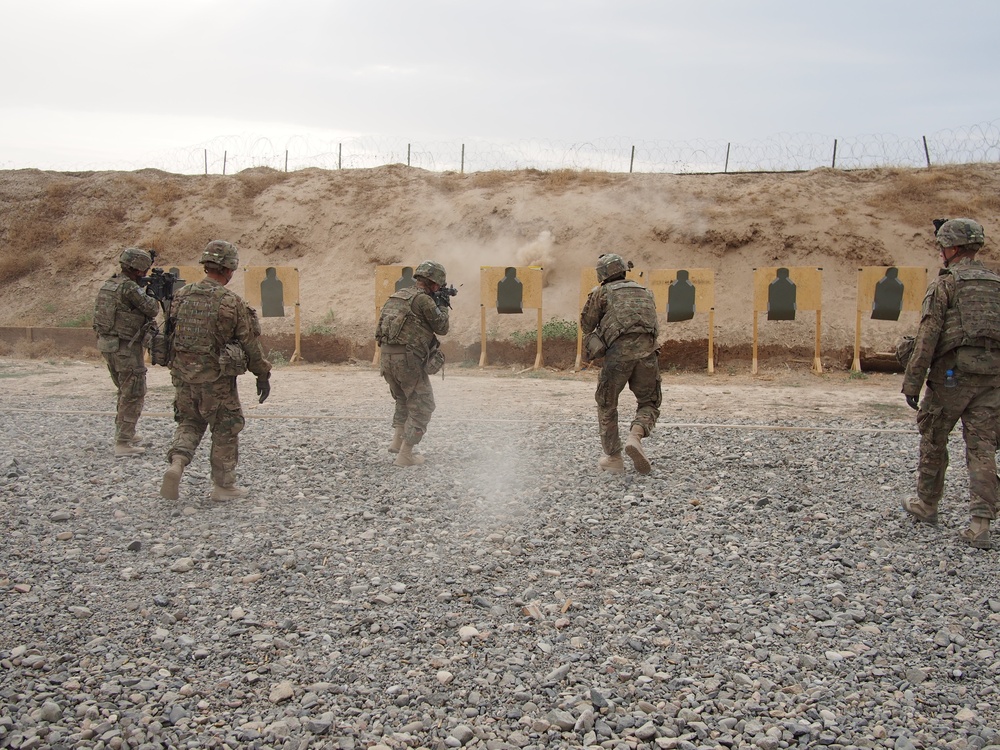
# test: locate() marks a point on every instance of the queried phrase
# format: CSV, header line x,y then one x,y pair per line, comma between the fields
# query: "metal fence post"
x,y
224,155
725,169
340,147
834,164
927,152
407,154
631,161
206,162
462,168
286,159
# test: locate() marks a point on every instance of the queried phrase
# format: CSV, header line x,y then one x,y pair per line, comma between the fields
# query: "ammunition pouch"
x,y
594,346
107,343
435,358
232,360
977,360
904,350
159,349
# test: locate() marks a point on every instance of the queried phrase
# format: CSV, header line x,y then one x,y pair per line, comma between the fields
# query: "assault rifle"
x,y
159,284
442,297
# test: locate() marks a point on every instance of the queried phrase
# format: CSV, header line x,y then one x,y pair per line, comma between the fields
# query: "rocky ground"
x,y
760,589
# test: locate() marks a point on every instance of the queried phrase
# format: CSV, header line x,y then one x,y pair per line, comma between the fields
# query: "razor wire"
x,y
783,152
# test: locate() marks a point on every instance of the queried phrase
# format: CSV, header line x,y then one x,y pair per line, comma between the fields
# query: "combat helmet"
x,y
134,258
221,253
961,233
432,271
610,265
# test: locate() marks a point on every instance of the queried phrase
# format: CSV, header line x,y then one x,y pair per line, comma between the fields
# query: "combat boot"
x,y
614,464
170,487
397,440
406,456
126,448
978,533
921,511
633,447
222,494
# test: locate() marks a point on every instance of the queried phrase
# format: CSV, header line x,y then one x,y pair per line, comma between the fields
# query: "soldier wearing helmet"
x,y
407,331
956,352
214,337
619,319
123,314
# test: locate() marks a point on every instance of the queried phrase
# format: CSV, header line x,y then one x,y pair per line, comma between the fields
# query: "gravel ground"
x,y
760,589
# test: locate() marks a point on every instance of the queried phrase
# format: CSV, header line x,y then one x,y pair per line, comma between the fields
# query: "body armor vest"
x,y
630,310
395,312
112,317
197,309
974,317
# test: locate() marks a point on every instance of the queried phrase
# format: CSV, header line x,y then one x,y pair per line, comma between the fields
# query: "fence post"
x,y
340,153
206,162
927,153
462,168
286,159
224,155
407,154
725,169
834,164
631,160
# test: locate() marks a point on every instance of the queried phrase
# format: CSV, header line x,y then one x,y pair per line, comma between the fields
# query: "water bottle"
x,y
950,381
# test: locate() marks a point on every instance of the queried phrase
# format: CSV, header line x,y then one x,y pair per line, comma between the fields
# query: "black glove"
x,y
913,402
263,387
441,299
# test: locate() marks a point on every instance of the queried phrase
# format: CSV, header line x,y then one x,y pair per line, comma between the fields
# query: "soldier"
x,y
620,315
957,352
213,338
123,313
410,353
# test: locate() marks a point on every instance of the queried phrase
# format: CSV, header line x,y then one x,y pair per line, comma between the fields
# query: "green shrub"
x,y
552,330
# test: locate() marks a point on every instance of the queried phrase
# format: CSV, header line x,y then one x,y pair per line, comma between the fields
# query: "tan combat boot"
x,y
126,448
920,511
222,494
170,487
407,457
613,464
397,440
633,447
978,533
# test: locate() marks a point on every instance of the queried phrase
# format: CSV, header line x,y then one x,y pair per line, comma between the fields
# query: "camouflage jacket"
x,y
122,309
624,314
411,318
944,316
204,317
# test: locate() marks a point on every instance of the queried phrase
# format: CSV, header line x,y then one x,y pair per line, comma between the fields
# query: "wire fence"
x,y
784,152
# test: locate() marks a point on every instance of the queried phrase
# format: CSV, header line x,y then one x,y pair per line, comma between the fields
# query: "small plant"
x,y
324,327
554,329
277,358
857,375
81,321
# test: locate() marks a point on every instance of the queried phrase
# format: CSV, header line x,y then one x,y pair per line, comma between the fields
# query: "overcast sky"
x,y
91,84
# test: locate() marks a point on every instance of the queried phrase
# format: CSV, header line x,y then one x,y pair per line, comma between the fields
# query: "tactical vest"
x,y
112,317
974,317
392,328
630,310
197,310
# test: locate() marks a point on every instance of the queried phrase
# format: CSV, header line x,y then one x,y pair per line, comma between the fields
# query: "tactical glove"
x,y
913,402
263,387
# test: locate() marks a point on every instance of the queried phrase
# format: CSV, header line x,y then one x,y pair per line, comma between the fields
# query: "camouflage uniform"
x,y
205,316
959,331
624,314
122,314
406,334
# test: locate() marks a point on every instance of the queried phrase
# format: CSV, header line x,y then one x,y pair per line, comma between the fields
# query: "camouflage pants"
x,y
642,376
979,409
410,386
215,405
128,373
